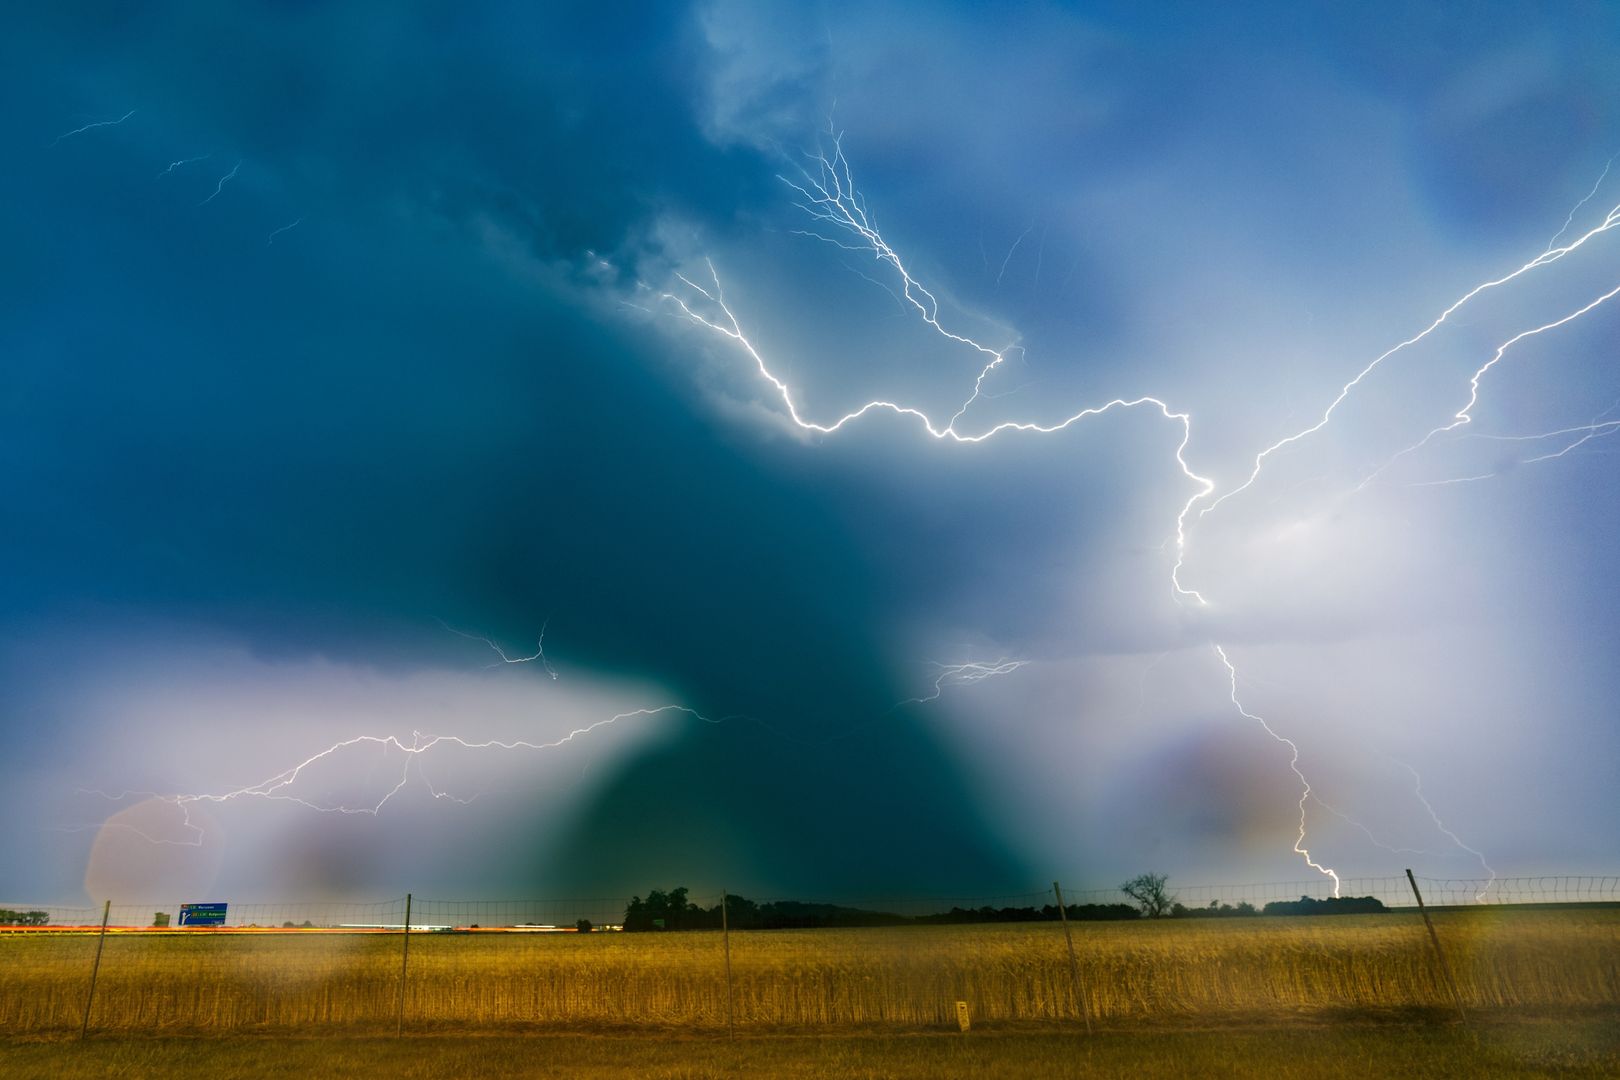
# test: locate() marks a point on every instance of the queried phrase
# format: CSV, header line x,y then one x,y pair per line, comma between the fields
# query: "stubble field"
x,y
1279,998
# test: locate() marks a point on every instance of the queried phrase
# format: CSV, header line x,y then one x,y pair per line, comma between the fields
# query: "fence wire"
x,y
608,913
784,963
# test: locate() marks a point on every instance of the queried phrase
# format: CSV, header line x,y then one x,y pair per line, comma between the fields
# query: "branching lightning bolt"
x,y
277,788
1464,415
1546,258
843,220
506,658
840,217
974,671
1597,429
726,325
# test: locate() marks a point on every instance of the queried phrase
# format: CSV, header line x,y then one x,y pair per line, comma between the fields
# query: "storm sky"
x,y
330,331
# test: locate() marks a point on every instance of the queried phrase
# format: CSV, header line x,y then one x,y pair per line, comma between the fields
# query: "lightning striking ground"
x,y
1434,816
843,220
1293,764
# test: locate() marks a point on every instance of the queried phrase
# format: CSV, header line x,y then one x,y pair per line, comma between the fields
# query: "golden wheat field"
x,y
813,979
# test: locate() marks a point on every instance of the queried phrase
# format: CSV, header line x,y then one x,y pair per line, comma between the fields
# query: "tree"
x,y
1148,890
660,911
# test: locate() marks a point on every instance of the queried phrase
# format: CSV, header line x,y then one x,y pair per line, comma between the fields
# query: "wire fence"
x,y
725,962
607,913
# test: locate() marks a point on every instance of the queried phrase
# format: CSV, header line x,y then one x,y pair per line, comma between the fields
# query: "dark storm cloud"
x,y
422,401
326,443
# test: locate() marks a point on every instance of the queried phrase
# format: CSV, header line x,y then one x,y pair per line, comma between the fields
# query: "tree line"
x,y
674,910
1154,900
23,918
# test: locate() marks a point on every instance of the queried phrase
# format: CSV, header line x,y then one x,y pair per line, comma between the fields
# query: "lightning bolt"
x,y
1597,429
271,239
974,671
87,127
841,218
1570,220
1003,271
1434,818
219,187
277,788
726,325
1417,789
505,658
1293,763
1371,836
1464,415
1546,258
173,165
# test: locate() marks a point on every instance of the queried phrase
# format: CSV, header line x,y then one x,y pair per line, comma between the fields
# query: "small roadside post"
x,y
725,931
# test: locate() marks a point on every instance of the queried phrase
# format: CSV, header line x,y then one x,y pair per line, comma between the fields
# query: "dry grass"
x,y
823,979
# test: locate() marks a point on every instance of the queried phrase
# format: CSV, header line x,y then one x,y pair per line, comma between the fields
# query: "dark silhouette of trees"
x,y
1215,910
1150,894
1335,905
662,911
23,918
672,911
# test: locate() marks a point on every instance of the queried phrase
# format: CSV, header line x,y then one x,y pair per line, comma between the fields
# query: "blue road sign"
x,y
202,914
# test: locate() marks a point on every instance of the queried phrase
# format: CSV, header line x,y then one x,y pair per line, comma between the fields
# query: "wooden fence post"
x,y
95,969
1074,965
1445,967
404,966
725,930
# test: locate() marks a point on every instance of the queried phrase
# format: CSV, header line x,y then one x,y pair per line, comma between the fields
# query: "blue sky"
x,y
417,362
